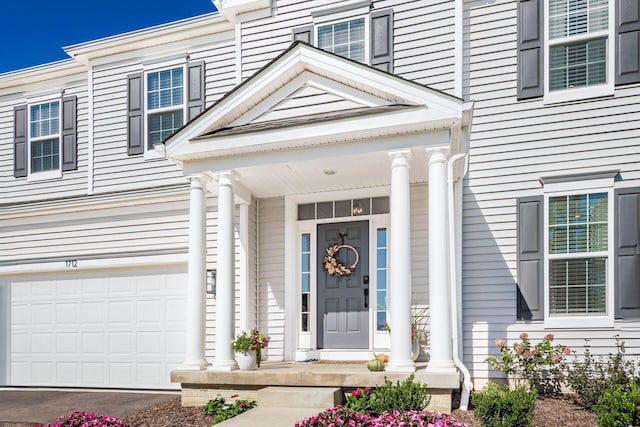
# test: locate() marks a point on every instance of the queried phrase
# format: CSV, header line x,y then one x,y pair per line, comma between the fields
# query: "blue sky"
x,y
33,32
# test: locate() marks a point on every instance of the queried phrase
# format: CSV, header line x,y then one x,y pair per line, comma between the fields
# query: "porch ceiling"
x,y
319,175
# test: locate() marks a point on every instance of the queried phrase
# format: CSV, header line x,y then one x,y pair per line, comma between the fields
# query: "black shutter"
x,y
627,43
303,34
20,141
195,89
530,49
382,40
135,114
627,253
69,134
530,259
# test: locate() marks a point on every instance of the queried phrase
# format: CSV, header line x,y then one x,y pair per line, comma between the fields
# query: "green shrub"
x,y
403,396
619,406
498,406
221,410
590,377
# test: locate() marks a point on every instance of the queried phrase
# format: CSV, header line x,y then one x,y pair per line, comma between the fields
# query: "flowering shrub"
x,y
340,416
402,396
541,367
255,340
86,419
223,410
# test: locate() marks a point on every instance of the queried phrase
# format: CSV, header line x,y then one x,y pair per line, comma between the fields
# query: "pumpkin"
x,y
383,357
375,365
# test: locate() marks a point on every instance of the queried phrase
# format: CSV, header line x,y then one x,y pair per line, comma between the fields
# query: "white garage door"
x,y
114,328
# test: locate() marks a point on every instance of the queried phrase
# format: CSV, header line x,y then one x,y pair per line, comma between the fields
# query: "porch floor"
x,y
200,386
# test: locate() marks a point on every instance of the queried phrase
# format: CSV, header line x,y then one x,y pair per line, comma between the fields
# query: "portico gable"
x,y
319,130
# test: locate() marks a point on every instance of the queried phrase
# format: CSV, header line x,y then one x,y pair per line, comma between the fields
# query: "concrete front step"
x,y
299,397
271,417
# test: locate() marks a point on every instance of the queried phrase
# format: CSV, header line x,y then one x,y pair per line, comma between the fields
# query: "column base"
x,y
401,366
441,367
193,365
223,366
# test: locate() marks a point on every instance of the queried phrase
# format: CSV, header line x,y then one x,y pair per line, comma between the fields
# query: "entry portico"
x,y
343,144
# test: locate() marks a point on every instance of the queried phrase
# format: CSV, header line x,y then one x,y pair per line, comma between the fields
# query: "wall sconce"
x,y
211,282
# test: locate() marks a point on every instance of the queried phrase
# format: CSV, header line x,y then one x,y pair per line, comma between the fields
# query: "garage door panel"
x,y
98,332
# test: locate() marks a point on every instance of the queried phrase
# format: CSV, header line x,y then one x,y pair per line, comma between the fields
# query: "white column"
x,y
400,264
197,271
225,298
441,357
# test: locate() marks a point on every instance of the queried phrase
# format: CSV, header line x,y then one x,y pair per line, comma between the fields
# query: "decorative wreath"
x,y
334,266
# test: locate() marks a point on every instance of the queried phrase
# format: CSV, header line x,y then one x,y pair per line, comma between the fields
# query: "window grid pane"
x,y
381,276
162,125
576,65
45,119
344,38
577,286
578,223
45,155
165,88
573,17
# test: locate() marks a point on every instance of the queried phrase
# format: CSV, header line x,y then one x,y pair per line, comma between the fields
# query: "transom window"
x,y
345,38
578,36
165,104
44,132
578,254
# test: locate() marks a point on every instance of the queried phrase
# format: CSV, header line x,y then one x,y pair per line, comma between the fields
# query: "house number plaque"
x,y
71,263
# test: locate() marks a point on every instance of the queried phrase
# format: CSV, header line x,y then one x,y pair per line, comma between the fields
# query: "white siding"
x,y
512,145
423,37
419,245
271,275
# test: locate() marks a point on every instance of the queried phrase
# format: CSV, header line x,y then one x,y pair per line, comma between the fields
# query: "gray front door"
x,y
343,301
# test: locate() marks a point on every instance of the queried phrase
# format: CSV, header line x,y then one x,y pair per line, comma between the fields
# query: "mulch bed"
x,y
549,412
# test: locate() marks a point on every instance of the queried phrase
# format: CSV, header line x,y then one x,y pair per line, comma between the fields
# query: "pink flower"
x,y
355,393
501,344
548,337
524,336
567,351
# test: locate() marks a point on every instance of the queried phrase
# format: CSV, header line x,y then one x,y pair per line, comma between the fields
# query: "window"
x,y
305,280
346,38
578,251
44,136
381,279
578,38
165,91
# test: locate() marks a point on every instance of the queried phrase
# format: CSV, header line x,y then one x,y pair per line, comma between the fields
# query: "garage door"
x,y
121,329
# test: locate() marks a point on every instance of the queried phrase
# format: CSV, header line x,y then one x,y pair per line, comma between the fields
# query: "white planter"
x,y
246,361
415,349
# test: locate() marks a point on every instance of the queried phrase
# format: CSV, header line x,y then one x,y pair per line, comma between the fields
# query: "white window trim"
x,y
585,92
50,174
152,153
335,20
602,185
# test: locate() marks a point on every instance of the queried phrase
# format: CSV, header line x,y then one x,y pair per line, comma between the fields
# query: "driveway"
x,y
26,407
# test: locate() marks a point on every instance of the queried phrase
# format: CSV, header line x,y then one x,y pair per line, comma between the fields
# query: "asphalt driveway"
x,y
26,407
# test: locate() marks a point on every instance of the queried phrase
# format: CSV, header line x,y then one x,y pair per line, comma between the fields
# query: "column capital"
x,y
400,158
199,180
438,154
226,177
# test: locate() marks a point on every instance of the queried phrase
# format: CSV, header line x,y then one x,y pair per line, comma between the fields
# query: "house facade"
x,y
321,170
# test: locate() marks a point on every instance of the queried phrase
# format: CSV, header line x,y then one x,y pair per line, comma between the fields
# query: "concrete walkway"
x,y
272,417
26,407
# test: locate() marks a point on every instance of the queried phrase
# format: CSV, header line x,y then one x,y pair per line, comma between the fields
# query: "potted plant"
x,y
248,348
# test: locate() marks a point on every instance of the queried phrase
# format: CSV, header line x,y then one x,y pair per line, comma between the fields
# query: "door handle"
x,y
366,297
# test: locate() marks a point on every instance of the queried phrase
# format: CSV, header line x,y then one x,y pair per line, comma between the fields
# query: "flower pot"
x,y
415,349
246,361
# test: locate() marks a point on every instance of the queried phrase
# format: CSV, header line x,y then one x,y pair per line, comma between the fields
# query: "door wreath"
x,y
334,266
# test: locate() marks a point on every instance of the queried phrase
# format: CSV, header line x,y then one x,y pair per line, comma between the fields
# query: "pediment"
x,y
304,83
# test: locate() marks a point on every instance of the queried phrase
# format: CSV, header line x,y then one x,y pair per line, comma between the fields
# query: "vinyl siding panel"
x,y
423,34
512,145
271,274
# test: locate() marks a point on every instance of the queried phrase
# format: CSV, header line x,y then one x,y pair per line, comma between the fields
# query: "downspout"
x,y
456,289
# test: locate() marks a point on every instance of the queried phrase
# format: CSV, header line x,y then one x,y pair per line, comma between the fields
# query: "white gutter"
x,y
456,291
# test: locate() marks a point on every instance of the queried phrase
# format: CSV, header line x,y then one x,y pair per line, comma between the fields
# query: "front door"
x,y
343,285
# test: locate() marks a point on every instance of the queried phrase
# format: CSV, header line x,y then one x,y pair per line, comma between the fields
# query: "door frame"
x,y
297,343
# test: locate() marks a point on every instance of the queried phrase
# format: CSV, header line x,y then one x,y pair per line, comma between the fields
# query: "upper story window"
x,y
44,137
578,40
345,38
165,104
